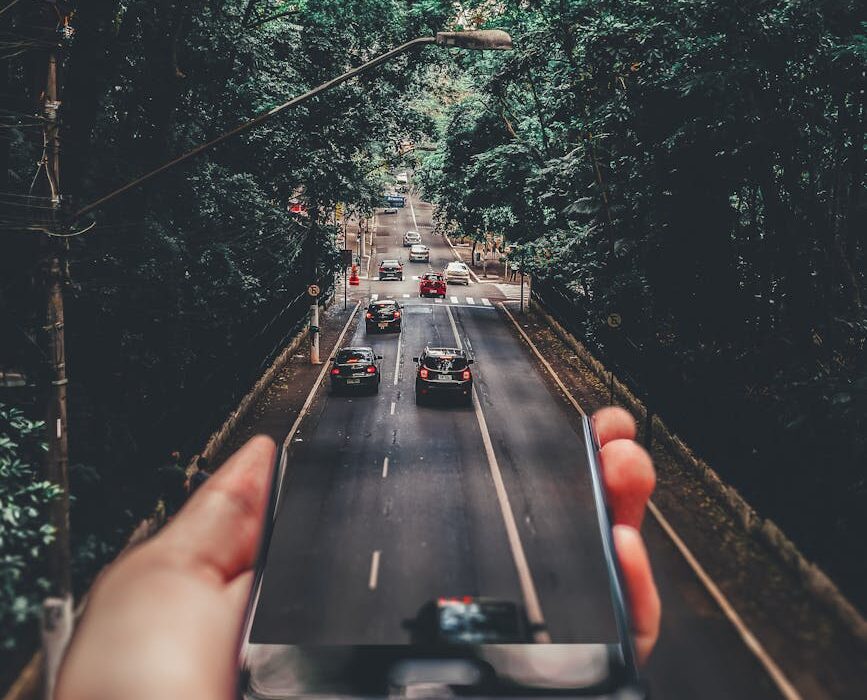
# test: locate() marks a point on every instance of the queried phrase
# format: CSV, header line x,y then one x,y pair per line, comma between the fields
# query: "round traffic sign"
x,y
313,290
614,320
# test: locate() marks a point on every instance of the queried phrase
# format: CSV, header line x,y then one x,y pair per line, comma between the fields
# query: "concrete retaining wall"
x,y
765,531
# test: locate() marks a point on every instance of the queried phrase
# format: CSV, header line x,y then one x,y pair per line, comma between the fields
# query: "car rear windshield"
x,y
349,356
433,278
390,265
445,363
387,306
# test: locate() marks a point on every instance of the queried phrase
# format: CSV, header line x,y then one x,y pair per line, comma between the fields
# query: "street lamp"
x,y
480,40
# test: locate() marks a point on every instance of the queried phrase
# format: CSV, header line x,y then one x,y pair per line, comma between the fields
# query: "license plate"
x,y
353,381
444,378
383,325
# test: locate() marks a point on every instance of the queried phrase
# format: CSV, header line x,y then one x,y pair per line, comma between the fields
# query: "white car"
x,y
457,272
419,253
410,238
390,210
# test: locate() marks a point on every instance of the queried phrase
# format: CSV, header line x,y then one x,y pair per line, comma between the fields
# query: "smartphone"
x,y
455,614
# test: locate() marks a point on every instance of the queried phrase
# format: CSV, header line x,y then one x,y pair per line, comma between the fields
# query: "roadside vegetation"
x,y
695,170
182,290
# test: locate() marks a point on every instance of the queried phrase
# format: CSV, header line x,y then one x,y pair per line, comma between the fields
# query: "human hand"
x,y
629,479
165,620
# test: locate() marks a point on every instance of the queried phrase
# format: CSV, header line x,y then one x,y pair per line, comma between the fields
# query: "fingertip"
x,y
644,603
613,423
629,478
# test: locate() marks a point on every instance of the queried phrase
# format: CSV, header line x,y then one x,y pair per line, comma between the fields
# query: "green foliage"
x,y
698,168
24,528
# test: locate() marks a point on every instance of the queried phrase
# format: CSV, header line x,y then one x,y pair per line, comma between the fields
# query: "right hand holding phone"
x,y
629,479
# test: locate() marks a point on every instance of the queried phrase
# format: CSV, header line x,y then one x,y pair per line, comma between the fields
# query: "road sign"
x,y
313,290
395,200
614,320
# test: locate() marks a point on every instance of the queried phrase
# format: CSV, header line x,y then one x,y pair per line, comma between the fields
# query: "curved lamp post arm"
x,y
493,39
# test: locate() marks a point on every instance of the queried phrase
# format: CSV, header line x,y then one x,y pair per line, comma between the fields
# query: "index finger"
x,y
221,525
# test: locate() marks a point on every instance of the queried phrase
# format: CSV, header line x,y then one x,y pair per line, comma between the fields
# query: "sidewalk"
x,y
277,408
496,270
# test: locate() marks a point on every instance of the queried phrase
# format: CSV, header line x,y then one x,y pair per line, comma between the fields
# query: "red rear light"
x,y
371,369
466,375
335,371
368,315
423,373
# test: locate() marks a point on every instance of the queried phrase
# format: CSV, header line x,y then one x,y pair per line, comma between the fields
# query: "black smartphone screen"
x,y
464,566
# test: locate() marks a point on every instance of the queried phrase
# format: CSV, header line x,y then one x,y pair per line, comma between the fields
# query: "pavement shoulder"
x,y
815,650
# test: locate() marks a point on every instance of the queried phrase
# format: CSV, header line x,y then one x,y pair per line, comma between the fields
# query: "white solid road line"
x,y
374,570
392,408
471,301
525,578
454,300
385,467
284,457
783,684
486,302
412,211
397,358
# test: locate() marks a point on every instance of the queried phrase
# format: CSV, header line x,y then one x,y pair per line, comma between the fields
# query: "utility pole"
x,y
313,288
57,608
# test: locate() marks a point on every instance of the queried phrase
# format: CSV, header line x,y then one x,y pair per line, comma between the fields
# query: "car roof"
x,y
356,348
415,232
382,302
455,263
419,245
389,262
440,352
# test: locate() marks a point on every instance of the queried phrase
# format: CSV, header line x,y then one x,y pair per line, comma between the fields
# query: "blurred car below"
x,y
470,620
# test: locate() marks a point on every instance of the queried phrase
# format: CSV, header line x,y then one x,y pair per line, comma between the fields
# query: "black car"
x,y
383,315
355,367
443,372
390,270
470,620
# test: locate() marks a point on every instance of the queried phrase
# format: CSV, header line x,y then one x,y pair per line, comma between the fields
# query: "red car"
x,y
432,284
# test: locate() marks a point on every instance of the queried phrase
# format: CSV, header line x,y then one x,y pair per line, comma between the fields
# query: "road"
x,y
386,505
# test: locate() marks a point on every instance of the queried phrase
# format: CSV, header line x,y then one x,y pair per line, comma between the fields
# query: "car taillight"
x,y
466,375
335,371
423,373
397,314
368,315
371,369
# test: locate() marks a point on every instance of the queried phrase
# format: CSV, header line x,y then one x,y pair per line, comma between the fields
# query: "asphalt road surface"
x,y
387,505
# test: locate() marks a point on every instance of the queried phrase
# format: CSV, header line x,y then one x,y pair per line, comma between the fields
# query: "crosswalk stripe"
x,y
406,296
486,302
438,301
454,300
374,297
470,300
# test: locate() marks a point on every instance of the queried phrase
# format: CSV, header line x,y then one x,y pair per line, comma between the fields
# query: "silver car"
x,y
410,238
419,253
457,272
